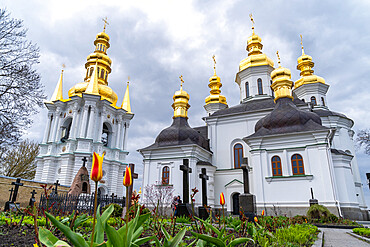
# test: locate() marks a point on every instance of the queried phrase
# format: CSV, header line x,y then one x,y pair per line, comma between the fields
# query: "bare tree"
x,y
21,92
20,161
363,139
158,195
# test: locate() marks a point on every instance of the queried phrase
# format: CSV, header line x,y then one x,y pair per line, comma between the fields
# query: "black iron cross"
x,y
204,178
112,197
185,179
84,161
245,168
33,193
32,199
17,183
134,176
56,187
11,193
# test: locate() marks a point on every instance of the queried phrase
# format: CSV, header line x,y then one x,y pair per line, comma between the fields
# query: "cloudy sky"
x,y
154,42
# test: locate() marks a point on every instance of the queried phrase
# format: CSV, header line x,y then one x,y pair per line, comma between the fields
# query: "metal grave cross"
x,y
32,199
56,187
11,193
204,178
84,160
185,179
134,176
17,183
245,168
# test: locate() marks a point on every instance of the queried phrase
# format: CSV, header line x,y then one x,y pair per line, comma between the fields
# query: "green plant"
x,y
170,241
183,219
117,212
318,212
362,231
295,235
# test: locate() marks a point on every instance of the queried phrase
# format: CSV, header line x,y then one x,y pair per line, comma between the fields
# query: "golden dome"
x,y
255,55
98,60
281,82
180,104
215,85
305,65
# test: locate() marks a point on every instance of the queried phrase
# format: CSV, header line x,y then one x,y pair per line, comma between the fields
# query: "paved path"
x,y
339,238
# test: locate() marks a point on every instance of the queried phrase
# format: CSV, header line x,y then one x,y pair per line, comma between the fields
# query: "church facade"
x,y
292,141
88,121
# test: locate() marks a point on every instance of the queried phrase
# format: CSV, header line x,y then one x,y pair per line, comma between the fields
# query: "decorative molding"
x,y
289,178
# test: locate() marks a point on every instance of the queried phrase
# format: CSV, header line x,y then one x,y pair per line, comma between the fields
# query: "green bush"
x,y
117,210
183,219
296,235
362,231
318,212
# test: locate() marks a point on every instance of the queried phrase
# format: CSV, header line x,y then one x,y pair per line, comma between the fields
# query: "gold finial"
x,y
302,44
128,80
214,63
252,20
105,23
63,67
277,54
182,81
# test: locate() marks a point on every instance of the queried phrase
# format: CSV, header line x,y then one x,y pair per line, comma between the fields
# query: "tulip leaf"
x,y
177,239
209,239
113,236
76,239
239,241
46,237
61,243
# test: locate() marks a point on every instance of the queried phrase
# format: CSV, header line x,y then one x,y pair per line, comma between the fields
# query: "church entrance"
x,y
236,204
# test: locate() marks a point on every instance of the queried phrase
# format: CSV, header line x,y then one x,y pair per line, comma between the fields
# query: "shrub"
x,y
303,235
362,231
117,212
318,212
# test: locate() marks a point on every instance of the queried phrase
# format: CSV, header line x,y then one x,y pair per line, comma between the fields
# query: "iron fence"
x,y
63,203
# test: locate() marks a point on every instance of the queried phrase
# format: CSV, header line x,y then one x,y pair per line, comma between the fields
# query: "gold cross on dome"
x,y
277,54
214,63
63,67
105,23
128,80
252,20
302,44
182,81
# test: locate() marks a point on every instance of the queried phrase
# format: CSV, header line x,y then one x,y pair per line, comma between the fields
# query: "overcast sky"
x,y
154,42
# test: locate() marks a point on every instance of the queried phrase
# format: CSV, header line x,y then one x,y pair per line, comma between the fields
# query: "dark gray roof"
x,y
253,105
180,133
203,163
325,113
287,118
336,151
203,131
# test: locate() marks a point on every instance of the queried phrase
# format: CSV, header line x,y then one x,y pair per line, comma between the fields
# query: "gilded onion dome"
x,y
99,60
281,82
305,65
180,104
255,55
215,85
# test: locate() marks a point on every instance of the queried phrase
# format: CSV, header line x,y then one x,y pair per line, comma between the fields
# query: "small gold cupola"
x,y
215,85
255,55
58,91
305,65
180,104
126,99
281,82
99,61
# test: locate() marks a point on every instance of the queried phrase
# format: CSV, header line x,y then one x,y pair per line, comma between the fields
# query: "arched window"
x,y
84,187
66,129
106,135
323,101
102,73
259,84
247,89
91,70
272,90
238,155
297,165
313,100
166,175
276,166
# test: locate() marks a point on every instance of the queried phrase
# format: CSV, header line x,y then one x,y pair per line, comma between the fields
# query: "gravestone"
x,y
203,213
32,199
247,200
81,182
56,187
11,204
313,201
184,208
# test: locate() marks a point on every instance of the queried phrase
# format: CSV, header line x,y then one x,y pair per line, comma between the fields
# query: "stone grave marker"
x,y
247,201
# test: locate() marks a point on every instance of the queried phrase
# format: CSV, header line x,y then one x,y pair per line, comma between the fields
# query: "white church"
x,y
88,121
292,140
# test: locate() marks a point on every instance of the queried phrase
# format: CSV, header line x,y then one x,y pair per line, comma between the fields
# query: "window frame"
x,y
237,158
295,164
313,100
277,168
165,179
259,86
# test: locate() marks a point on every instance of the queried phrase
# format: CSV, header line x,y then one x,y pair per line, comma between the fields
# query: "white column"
x,y
74,122
47,129
84,120
124,142
100,129
55,126
118,138
90,130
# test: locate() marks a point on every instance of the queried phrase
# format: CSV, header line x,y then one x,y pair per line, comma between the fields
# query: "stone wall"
x,y
24,192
